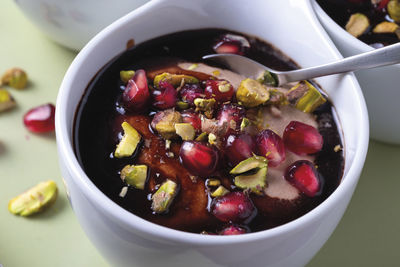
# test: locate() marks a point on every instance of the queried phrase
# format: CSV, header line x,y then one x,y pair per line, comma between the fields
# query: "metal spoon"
x,y
388,55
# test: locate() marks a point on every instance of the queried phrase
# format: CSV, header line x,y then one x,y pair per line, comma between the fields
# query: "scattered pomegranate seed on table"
x,y
40,119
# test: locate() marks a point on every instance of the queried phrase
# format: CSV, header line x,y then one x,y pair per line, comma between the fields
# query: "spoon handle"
x,y
379,57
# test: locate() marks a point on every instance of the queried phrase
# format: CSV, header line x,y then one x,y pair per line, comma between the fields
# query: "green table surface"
x,y
368,234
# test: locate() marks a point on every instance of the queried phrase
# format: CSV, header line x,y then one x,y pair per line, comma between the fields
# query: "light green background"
x,y
368,235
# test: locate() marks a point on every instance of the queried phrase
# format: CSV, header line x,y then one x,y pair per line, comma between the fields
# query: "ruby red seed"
x,y
40,119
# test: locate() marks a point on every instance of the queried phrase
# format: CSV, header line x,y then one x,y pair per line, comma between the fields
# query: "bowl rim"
x,y
141,226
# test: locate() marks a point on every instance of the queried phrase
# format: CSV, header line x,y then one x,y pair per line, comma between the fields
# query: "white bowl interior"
x,y
301,39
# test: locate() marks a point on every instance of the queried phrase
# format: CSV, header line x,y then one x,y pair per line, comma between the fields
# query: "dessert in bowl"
x,y
380,85
125,238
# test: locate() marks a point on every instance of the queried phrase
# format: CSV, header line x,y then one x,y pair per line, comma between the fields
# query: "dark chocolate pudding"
x,y
195,147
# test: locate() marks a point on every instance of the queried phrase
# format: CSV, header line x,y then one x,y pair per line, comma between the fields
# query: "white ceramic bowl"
x,y
72,23
380,86
127,240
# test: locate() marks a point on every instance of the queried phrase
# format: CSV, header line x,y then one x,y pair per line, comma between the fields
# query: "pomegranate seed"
x,y
303,175
166,97
239,147
231,44
220,90
190,91
233,230
271,146
382,5
302,139
233,207
136,94
189,116
40,119
198,158
229,113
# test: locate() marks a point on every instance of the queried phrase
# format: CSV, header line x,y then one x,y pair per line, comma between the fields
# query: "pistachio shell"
x,y
129,141
34,200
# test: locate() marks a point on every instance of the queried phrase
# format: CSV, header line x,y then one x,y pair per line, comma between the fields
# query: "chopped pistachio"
x,y
6,100
268,78
170,154
164,122
193,66
126,75
174,79
220,191
250,164
202,136
129,141
213,182
385,27
393,8
185,131
162,199
135,175
216,73
182,105
252,93
256,182
224,86
276,97
212,139
15,77
305,97
357,24
337,148
124,191
245,122
34,200
206,105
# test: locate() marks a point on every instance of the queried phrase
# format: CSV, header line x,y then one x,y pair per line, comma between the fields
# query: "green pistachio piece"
x,y
224,86
268,78
276,97
220,191
135,175
245,122
15,77
126,75
6,100
34,200
205,105
129,141
162,199
357,24
185,131
393,8
174,79
251,93
305,97
164,122
182,105
213,182
212,139
250,164
256,182
202,137
385,27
